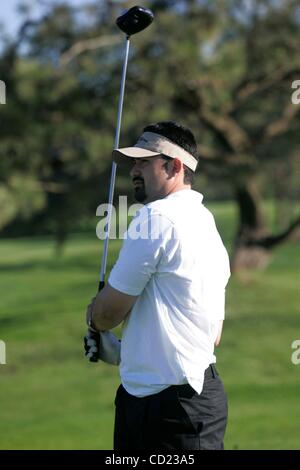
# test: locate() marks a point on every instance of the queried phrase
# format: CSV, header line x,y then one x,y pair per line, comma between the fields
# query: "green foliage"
x,y
218,67
7,206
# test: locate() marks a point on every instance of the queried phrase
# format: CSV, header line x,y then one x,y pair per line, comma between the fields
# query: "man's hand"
x,y
91,345
102,345
89,315
92,337
104,312
218,338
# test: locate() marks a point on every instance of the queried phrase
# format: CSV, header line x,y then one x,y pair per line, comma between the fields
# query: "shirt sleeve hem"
x,y
122,288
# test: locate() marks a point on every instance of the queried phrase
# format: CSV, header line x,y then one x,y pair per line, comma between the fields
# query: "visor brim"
x,y
132,152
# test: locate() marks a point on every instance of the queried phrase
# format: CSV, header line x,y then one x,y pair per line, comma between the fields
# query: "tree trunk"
x,y
248,253
254,242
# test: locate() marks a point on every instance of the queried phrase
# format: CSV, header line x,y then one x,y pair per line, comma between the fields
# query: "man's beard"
x,y
139,191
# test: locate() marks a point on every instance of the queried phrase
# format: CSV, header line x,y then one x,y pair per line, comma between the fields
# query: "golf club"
x,y
133,21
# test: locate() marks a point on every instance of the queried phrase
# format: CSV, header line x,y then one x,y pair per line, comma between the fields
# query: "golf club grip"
x,y
94,358
101,285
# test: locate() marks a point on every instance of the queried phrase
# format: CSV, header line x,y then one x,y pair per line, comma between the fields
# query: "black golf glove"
x,y
91,345
103,345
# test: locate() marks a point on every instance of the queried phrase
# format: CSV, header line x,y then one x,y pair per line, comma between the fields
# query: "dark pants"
x,y
175,419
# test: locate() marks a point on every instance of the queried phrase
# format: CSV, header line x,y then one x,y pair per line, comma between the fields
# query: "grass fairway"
x,y
52,398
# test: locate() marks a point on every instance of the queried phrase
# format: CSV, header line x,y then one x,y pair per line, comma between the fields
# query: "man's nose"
x,y
135,170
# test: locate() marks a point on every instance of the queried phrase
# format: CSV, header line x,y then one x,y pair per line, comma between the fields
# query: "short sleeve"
x,y
143,249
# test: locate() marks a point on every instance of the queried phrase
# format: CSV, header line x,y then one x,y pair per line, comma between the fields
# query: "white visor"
x,y
151,145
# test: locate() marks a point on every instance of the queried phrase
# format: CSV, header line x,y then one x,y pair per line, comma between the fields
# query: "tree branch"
x,y
273,240
281,125
224,126
85,45
207,153
247,88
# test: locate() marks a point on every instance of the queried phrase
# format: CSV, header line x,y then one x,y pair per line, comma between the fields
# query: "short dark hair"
x,y
181,136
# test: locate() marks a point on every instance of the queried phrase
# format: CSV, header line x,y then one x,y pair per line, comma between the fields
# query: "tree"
x,y
241,97
54,129
225,69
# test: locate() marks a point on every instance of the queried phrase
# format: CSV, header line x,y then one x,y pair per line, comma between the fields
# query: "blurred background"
x,y
223,68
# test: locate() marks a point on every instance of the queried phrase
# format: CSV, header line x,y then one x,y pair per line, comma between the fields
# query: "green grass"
x,y
52,398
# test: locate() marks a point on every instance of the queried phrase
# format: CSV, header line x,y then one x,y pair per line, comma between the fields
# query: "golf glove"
x,y
103,345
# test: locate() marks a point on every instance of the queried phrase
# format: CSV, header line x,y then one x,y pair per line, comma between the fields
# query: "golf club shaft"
x,y
114,167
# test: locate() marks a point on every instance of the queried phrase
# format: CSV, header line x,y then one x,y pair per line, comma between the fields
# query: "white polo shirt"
x,y
173,258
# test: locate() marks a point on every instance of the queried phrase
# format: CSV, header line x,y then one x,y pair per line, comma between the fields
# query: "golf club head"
x,y
135,20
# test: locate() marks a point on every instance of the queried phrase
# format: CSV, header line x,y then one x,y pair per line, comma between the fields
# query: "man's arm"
x,y
218,339
109,308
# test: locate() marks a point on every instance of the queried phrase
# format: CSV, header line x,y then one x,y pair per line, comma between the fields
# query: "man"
x,y
168,285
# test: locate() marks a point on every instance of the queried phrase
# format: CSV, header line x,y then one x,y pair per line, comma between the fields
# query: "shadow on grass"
x,y
51,265
14,321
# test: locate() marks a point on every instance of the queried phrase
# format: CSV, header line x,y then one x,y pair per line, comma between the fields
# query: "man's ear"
x,y
177,165
173,166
